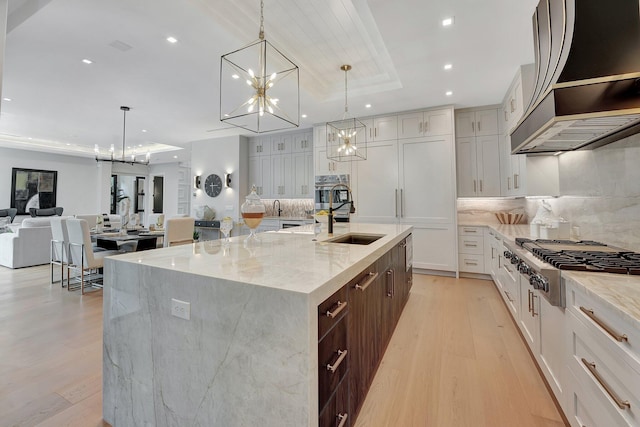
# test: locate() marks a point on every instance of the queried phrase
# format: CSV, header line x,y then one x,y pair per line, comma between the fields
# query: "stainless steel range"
x,y
542,261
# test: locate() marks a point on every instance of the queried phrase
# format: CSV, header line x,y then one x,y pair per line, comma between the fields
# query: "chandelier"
x,y
259,87
133,158
346,138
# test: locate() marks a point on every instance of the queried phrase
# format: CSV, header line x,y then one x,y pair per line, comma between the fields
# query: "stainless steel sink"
x,y
355,238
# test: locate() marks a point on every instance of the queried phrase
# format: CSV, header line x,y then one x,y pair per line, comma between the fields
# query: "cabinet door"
x,y
486,122
281,144
530,319
410,125
434,247
488,159
427,176
506,180
260,174
302,165
437,122
385,128
375,184
364,334
552,345
465,124
466,167
518,174
302,142
281,172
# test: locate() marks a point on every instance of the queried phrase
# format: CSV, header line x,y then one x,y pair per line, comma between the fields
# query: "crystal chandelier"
x,y
346,138
259,87
133,156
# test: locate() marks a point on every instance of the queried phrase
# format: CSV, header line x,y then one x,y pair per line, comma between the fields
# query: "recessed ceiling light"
x,y
144,130
175,157
87,61
68,143
448,66
367,106
226,115
7,99
172,39
235,76
449,93
447,22
304,116
139,145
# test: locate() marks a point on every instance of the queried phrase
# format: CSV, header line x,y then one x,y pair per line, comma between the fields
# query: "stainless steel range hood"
x,y
587,90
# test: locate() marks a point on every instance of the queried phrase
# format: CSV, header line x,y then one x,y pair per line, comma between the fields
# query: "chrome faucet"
x,y
352,209
274,206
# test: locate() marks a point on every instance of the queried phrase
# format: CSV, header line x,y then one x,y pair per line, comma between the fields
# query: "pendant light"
x,y
259,87
133,155
346,138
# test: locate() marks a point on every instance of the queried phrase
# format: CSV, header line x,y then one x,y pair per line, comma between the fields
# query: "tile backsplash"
x,y
290,207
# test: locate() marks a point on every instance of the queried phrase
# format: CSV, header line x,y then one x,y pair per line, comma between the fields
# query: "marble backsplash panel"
x,y
483,210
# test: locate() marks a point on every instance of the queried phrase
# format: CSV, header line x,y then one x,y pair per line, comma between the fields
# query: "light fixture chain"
x,y
261,33
346,105
124,131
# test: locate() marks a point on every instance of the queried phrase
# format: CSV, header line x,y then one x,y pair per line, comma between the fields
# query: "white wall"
x,y
220,156
78,186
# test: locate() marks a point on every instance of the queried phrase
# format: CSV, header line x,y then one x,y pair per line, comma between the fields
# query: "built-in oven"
x,y
336,188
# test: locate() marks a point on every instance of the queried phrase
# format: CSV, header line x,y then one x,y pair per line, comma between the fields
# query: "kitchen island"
x,y
248,355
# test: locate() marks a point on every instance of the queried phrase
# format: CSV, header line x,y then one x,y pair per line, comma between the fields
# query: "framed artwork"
x,y
33,188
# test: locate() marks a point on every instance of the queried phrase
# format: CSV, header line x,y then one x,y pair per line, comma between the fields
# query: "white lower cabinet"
x,y
434,247
529,321
604,361
471,249
509,278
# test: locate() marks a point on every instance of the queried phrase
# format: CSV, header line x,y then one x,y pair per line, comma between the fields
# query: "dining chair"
x,y
59,247
82,258
178,231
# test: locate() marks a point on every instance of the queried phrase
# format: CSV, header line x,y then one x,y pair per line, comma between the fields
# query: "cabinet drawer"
x,y
604,321
471,244
583,410
337,409
331,311
332,361
470,263
611,380
470,231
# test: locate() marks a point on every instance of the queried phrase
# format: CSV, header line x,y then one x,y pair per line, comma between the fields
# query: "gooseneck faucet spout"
x,y
351,210
274,207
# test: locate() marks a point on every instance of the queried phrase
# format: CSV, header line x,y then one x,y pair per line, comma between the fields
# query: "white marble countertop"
x,y
284,260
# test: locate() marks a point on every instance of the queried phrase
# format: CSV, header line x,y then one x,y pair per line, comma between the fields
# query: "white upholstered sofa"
x,y
28,244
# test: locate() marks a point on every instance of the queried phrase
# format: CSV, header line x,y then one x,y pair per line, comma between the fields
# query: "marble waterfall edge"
x,y
243,358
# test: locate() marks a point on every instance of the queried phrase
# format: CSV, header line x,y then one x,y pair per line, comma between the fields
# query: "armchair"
x,y
10,212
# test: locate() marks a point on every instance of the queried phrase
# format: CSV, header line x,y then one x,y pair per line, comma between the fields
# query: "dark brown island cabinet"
x,y
355,325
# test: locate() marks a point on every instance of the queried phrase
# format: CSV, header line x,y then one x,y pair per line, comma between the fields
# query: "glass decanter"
x,y
252,212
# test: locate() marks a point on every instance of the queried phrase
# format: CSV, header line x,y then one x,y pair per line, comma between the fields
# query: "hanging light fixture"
x,y
346,138
259,87
133,159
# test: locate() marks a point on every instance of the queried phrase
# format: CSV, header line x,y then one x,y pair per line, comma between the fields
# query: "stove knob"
x,y
534,281
515,259
508,254
544,284
524,269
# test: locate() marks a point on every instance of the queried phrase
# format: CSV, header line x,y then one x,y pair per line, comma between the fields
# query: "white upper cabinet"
x,y
302,142
260,174
281,144
383,128
424,123
260,146
519,94
477,123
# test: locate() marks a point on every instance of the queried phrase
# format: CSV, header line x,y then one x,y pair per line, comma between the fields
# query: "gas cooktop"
x,y
583,255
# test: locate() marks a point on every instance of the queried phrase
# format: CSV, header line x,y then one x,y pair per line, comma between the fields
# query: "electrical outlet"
x,y
181,309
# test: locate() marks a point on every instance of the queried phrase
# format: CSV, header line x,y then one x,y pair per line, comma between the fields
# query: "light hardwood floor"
x,y
455,359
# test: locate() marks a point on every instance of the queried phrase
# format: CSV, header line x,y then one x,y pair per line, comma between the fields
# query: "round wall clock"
x,y
213,185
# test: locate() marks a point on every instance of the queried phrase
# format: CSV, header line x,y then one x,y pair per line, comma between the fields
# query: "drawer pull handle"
x,y
467,262
604,326
365,285
341,356
343,419
339,307
470,230
470,245
622,404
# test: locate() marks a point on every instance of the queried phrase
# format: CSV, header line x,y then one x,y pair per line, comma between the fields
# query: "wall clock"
x,y
213,185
